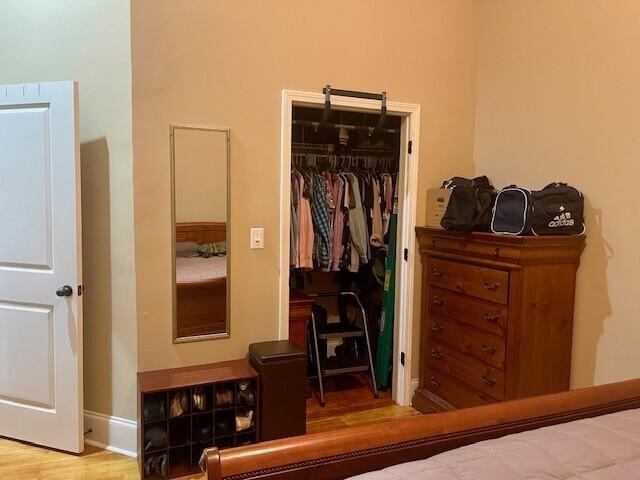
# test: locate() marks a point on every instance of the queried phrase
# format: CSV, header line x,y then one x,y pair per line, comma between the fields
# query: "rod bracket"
x,y
326,113
328,91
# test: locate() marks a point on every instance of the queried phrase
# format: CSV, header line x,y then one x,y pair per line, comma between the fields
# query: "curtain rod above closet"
x,y
315,125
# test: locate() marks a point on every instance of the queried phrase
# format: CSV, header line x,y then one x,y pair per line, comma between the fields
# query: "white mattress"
x,y
606,447
200,269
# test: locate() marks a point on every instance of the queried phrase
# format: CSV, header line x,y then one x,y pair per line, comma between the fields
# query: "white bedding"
x,y
199,269
606,447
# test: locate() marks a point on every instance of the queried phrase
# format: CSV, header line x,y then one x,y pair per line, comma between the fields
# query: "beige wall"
x,y
200,175
225,63
90,42
558,98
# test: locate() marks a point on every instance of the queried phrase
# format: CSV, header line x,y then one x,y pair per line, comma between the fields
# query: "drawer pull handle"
x,y
437,328
437,273
488,381
488,350
491,318
436,354
434,382
438,301
496,252
492,287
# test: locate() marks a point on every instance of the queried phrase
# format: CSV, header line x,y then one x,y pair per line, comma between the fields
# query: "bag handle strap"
x,y
556,184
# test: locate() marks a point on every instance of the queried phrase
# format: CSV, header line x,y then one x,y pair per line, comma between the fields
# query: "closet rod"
x,y
353,93
342,125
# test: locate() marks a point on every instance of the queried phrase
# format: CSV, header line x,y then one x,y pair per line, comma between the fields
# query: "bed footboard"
x,y
352,451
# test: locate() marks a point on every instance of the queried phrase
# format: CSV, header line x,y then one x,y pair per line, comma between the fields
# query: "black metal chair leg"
x,y
318,367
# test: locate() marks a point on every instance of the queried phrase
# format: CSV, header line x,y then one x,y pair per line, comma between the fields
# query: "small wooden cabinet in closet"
x,y
497,317
182,411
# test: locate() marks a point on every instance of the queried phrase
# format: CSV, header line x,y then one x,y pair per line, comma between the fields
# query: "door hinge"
x,y
410,146
406,254
80,290
402,358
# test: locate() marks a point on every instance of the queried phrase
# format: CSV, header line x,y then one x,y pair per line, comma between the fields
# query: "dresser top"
x,y
494,238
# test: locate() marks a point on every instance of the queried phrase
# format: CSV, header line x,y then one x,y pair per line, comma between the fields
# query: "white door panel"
x,y
26,192
27,342
40,332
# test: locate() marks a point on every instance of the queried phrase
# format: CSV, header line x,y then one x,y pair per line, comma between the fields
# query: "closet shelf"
x,y
226,409
197,413
182,445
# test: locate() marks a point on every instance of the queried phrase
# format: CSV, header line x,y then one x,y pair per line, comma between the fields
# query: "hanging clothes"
x,y
388,201
338,215
305,225
294,234
377,235
338,221
357,225
321,223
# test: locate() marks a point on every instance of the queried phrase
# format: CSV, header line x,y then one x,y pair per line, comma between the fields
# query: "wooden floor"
x,y
349,402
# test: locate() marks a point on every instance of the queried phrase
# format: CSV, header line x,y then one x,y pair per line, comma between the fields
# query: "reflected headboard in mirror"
x,y
201,232
199,161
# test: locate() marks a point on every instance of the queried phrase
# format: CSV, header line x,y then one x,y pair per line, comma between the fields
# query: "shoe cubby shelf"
x,y
182,411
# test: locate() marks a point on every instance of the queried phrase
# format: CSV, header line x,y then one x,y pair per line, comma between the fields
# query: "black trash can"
x,y
282,367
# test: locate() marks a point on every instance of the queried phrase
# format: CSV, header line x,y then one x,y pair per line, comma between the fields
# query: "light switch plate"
x,y
257,238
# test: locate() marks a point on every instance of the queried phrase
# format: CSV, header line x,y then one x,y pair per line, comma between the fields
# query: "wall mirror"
x,y
200,194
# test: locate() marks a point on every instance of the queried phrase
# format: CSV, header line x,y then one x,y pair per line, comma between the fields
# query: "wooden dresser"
x,y
497,317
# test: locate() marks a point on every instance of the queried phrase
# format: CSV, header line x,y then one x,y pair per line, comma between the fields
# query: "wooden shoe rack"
x,y
185,410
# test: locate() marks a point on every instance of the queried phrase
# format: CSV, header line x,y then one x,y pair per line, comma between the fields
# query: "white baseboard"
x,y
414,385
115,434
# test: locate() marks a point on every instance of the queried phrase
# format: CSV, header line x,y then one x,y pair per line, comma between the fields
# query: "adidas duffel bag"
x,y
558,209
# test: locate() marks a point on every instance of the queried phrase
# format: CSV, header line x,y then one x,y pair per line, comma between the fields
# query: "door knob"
x,y
65,291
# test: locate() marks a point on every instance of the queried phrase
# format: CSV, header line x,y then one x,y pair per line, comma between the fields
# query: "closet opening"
x,y
350,203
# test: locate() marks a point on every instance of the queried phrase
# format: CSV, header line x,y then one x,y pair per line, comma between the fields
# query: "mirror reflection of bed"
x,y
201,278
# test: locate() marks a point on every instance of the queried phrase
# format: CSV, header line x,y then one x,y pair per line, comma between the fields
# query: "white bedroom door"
x,y
40,266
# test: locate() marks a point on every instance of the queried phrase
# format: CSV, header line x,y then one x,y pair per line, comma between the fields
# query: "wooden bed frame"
x,y
201,306
352,451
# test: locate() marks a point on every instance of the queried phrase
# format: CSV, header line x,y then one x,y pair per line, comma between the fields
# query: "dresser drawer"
x,y
466,369
490,317
457,394
464,246
481,282
480,345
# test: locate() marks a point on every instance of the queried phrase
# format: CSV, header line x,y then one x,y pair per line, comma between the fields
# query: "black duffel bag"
x,y
558,209
469,207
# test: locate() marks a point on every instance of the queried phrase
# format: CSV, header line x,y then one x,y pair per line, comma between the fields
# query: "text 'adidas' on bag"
x,y
558,209
512,211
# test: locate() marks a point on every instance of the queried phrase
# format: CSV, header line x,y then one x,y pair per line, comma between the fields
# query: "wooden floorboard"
x,y
349,402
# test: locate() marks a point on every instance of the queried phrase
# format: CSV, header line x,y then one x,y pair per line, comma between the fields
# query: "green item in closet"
x,y
384,351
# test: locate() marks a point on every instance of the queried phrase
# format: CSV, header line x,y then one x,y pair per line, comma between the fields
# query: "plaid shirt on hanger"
x,y
321,223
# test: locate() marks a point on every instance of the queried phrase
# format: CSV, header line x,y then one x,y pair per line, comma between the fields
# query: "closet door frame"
x,y
406,294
